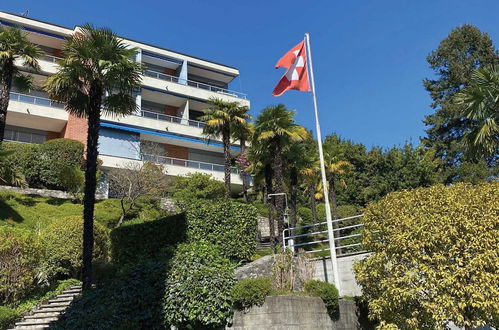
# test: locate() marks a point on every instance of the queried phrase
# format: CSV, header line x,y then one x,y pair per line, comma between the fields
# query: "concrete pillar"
x,y
183,112
182,77
138,97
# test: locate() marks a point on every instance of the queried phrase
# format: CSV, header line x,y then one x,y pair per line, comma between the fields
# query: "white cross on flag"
x,y
296,76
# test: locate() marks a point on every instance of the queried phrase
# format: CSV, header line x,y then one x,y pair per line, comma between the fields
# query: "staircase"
x,y
48,311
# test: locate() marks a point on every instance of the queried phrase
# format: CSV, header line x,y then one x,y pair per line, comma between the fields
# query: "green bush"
x,y
196,186
20,256
251,291
131,299
263,209
57,155
25,161
198,289
326,291
145,240
8,317
230,225
63,240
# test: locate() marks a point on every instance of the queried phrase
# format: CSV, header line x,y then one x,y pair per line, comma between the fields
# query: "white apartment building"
x,y
174,93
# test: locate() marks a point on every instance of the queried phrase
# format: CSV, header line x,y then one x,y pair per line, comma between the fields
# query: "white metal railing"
x,y
192,83
171,119
187,163
312,239
27,98
50,58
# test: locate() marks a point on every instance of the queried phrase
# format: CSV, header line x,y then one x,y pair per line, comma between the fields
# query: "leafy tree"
x,y
136,180
220,118
276,129
434,257
243,131
465,49
186,189
98,74
480,100
14,45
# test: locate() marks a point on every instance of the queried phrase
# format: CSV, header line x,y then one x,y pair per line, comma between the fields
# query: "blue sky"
x,y
369,56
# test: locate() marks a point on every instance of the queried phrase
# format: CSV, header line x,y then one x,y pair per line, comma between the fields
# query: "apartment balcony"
x,y
37,112
171,119
177,167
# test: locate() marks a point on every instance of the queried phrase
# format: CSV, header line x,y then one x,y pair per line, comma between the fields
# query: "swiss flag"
x,y
296,76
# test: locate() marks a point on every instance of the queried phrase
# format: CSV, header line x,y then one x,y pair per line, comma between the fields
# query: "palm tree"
x,y
310,178
220,118
480,100
97,75
14,45
243,132
275,129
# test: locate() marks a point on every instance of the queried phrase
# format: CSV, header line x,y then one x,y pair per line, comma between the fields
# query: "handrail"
x,y
27,98
171,119
192,83
50,58
187,163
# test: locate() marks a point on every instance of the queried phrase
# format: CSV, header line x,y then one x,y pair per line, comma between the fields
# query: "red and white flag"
x,y
296,76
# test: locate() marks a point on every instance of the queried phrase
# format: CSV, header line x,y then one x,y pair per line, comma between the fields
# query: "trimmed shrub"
x,y
196,186
198,290
145,240
230,225
56,156
25,160
251,291
324,290
20,256
132,299
8,317
63,239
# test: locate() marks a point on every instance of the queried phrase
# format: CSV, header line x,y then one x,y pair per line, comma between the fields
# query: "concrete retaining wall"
x,y
34,191
296,313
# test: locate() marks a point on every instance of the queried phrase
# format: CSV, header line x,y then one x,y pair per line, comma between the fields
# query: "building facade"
x,y
165,128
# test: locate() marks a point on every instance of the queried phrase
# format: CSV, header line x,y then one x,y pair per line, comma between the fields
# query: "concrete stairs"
x,y
49,311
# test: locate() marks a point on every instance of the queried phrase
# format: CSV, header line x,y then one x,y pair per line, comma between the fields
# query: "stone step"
x,y
32,324
31,327
60,299
67,295
59,303
75,287
45,314
78,291
39,320
47,308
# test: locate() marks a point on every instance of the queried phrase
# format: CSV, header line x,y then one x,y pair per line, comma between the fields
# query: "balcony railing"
x,y
50,58
163,76
171,119
187,163
26,98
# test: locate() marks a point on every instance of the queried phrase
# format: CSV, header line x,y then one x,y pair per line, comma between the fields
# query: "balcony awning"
x,y
163,134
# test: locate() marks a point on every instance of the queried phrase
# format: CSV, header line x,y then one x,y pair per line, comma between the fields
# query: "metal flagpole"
x,y
332,245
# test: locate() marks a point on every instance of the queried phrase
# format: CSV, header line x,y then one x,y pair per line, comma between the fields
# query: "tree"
x,y
434,257
98,74
276,129
243,132
220,118
480,101
465,49
14,45
135,180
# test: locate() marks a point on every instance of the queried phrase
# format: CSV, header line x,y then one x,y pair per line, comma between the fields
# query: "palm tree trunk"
x,y
5,86
293,195
244,174
90,183
268,190
226,143
279,188
313,203
336,225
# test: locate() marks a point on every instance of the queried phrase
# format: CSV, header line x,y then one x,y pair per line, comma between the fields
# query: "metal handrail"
x,y
192,83
171,119
187,163
27,98
342,250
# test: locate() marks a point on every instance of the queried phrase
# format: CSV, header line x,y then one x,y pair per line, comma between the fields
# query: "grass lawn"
x,y
35,212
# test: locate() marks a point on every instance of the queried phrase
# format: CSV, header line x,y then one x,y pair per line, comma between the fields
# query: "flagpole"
x,y
332,245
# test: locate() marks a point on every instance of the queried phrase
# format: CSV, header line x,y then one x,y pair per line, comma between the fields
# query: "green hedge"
x,y
63,241
251,291
20,257
324,290
8,316
41,164
145,240
198,288
230,225
194,187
